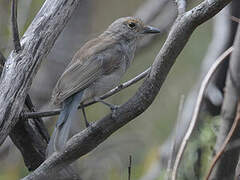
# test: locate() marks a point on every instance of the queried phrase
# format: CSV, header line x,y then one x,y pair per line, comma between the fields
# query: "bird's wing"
x,y
84,70
76,78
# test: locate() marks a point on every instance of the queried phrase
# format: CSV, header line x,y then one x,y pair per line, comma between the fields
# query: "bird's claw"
x,y
114,109
89,124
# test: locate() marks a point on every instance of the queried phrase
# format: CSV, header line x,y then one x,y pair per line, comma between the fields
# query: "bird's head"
x,y
130,28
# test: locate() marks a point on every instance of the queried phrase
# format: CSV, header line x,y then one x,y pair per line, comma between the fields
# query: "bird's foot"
x,y
89,124
112,107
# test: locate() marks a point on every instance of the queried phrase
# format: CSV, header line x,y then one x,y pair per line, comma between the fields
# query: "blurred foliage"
x,y
156,123
199,151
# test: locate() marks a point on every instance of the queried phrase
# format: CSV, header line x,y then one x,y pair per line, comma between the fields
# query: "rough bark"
x,y
26,135
31,137
90,138
21,67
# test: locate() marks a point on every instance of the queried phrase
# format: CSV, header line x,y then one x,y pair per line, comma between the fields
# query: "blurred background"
x,y
143,137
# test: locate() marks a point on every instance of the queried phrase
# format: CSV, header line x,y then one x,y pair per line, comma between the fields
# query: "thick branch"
x,y
90,138
20,68
28,138
31,137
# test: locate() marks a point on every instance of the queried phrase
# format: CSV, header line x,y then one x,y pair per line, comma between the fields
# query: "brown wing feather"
x,y
88,64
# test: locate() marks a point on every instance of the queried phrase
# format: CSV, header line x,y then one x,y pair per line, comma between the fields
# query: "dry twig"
x,y
129,167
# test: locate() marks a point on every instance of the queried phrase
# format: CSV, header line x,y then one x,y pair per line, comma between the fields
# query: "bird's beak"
x,y
150,30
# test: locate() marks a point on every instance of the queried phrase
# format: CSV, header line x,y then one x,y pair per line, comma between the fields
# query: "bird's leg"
x,y
113,107
84,116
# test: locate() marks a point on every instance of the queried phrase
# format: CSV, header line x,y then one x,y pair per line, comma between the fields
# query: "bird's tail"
x,y
64,124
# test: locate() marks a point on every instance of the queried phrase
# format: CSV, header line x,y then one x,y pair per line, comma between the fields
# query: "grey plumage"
x,y
95,69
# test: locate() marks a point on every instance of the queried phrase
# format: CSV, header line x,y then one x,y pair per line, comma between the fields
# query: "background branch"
x,y
227,163
223,35
90,138
229,111
202,90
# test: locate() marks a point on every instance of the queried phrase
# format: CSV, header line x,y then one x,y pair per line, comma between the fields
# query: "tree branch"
x,y
30,136
20,68
90,138
16,40
182,5
108,94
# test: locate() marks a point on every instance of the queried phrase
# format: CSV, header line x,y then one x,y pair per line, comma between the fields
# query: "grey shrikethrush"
x,y
95,69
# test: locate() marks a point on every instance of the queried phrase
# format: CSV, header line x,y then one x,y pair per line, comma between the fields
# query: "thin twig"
x,y
203,87
129,167
16,40
173,143
182,6
235,19
108,94
222,149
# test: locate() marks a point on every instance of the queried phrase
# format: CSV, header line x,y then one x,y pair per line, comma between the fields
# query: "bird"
x,y
96,68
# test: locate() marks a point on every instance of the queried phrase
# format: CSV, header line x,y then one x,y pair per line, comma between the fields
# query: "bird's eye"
x,y
131,25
